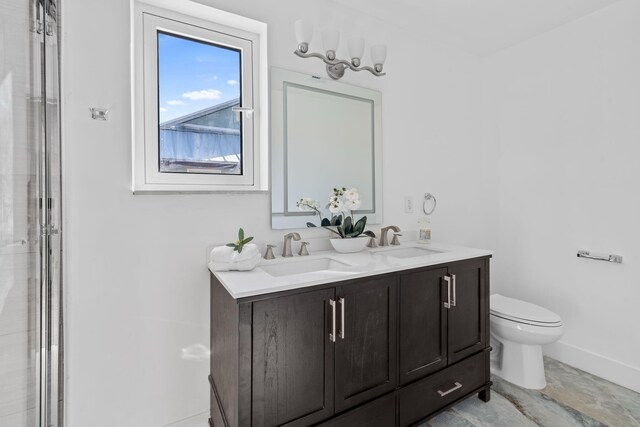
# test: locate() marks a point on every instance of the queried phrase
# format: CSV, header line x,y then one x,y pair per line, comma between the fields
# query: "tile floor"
x,y
571,398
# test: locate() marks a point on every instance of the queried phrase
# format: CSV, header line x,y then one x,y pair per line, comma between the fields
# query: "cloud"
x,y
198,95
175,102
163,110
204,58
232,82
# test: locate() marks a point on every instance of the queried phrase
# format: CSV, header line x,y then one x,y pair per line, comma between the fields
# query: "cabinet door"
x,y
468,318
293,359
423,324
366,344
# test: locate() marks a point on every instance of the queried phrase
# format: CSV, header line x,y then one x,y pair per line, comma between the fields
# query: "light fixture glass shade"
x,y
304,31
378,54
356,47
330,39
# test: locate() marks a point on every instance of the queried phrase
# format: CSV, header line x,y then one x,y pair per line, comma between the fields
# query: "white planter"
x,y
225,258
349,245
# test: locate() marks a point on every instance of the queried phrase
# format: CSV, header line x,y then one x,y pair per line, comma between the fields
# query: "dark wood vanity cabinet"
x,y
378,350
443,320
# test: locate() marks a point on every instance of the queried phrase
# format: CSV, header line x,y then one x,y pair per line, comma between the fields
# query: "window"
x,y
198,87
197,100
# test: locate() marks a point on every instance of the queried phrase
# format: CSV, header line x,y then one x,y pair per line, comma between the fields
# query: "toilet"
x,y
518,331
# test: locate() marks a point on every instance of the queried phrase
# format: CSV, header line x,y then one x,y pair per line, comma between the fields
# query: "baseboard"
x,y
198,419
612,370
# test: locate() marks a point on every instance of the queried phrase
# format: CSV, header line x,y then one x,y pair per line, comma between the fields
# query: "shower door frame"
x,y
49,362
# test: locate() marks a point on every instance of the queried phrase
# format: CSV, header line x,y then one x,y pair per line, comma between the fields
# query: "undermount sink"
x,y
298,266
406,252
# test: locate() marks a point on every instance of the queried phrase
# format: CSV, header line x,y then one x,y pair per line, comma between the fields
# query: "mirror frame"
x,y
281,78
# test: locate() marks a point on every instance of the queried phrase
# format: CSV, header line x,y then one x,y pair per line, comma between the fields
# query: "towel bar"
x,y
608,258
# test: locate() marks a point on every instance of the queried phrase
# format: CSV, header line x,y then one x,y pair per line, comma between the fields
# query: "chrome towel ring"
x,y
428,197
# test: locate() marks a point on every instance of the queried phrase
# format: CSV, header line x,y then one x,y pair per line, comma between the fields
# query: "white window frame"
x,y
199,22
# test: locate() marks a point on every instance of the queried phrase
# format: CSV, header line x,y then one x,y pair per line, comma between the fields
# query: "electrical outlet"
x,y
408,204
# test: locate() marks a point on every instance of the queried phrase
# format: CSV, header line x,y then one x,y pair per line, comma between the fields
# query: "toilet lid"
x,y
517,310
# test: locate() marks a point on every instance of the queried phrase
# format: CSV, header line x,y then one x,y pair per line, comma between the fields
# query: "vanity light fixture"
x,y
330,39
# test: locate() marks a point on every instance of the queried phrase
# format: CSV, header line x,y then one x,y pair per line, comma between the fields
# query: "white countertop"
x,y
242,284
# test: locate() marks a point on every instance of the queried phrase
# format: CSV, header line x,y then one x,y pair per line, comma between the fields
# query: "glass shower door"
x,y
30,286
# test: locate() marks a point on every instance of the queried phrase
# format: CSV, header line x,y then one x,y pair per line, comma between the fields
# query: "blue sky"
x,y
194,75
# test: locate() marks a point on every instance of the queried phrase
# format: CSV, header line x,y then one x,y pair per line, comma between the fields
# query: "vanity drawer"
x,y
423,398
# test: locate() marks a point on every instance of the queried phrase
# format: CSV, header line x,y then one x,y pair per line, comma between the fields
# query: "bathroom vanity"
x,y
378,338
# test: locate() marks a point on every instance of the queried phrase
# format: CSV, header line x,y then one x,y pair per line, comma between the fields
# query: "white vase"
x,y
349,245
225,258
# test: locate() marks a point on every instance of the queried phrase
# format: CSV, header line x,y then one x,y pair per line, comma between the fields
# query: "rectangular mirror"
x,y
324,135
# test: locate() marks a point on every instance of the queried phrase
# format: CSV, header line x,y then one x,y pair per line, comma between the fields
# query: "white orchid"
x,y
352,194
352,205
308,204
342,202
336,205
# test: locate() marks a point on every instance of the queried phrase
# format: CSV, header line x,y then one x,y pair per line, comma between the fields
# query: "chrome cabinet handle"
x,y
448,303
456,386
332,335
342,304
453,301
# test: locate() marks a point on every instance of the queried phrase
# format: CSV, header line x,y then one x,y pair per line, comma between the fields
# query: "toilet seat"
x,y
523,312
527,322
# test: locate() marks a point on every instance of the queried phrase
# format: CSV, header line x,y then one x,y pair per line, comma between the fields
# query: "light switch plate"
x,y
408,204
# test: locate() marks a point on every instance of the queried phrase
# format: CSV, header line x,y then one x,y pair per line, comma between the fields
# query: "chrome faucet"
x,y
384,240
395,241
286,247
268,254
303,249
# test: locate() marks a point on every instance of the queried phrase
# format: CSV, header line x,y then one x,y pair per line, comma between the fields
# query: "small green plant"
x,y
350,229
239,244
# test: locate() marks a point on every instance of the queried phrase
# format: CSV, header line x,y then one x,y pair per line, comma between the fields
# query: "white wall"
x,y
561,112
135,276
